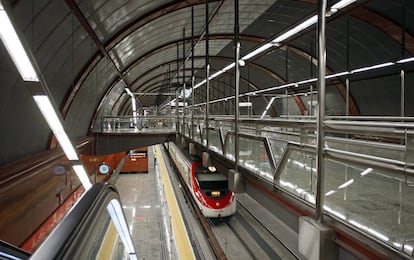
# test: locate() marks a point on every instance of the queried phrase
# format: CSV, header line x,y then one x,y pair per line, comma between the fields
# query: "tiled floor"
x,y
146,211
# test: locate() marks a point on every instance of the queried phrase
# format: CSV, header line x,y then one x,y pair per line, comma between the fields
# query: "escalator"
x,y
95,228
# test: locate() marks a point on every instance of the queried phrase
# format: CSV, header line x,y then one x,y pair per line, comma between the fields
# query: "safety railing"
x,y
137,124
369,166
95,228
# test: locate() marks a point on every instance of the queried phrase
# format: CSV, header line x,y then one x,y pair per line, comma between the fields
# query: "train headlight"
x,y
212,168
215,193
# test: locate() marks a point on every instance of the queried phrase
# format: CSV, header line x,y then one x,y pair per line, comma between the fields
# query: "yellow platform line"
x,y
184,248
108,244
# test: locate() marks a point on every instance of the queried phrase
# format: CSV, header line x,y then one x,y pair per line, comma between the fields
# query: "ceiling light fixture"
x,y
267,107
378,66
342,4
295,30
406,60
257,51
48,112
82,175
15,47
128,91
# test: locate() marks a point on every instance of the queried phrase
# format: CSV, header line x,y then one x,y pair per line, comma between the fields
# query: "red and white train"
x,y
208,187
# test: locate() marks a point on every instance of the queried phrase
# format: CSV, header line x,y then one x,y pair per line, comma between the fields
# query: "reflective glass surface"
x,y
253,155
215,141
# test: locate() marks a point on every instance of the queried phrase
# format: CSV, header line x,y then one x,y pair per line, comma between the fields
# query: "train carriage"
x,y
208,187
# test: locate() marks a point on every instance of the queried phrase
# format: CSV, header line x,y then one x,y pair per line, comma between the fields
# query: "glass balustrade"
x,y
137,124
277,147
229,147
197,133
374,201
298,175
253,156
215,141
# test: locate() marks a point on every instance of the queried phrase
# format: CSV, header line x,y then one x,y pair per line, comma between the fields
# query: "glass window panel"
x,y
214,141
376,202
277,147
279,133
204,136
229,144
253,156
370,148
197,134
299,175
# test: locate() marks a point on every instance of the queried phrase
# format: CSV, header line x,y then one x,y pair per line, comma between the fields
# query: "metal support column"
x,y
402,73
402,80
184,87
237,84
347,97
169,90
192,73
177,123
207,75
177,101
320,164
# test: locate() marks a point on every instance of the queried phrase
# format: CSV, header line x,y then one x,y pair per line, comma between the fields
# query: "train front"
x,y
212,193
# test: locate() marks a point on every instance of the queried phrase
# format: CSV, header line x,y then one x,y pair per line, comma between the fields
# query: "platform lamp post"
x,y
320,141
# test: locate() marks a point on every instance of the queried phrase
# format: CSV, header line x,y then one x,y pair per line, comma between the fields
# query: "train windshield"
x,y
207,181
214,185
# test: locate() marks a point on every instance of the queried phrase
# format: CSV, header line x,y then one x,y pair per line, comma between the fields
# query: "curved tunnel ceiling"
x,y
83,49
128,44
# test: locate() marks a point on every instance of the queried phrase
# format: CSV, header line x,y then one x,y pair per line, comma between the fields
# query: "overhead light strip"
x,y
307,81
26,69
54,123
49,113
297,29
411,59
281,38
15,47
82,175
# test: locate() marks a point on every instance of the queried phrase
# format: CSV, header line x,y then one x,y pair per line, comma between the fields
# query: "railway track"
x,y
243,236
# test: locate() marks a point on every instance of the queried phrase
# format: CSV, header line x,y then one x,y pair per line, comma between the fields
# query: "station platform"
x,y
152,212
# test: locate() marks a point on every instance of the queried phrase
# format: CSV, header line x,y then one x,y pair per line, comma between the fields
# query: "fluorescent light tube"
x,y
229,67
245,104
15,48
267,108
406,60
298,28
306,81
54,123
337,75
200,84
378,66
218,73
129,92
257,51
83,176
270,103
342,4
